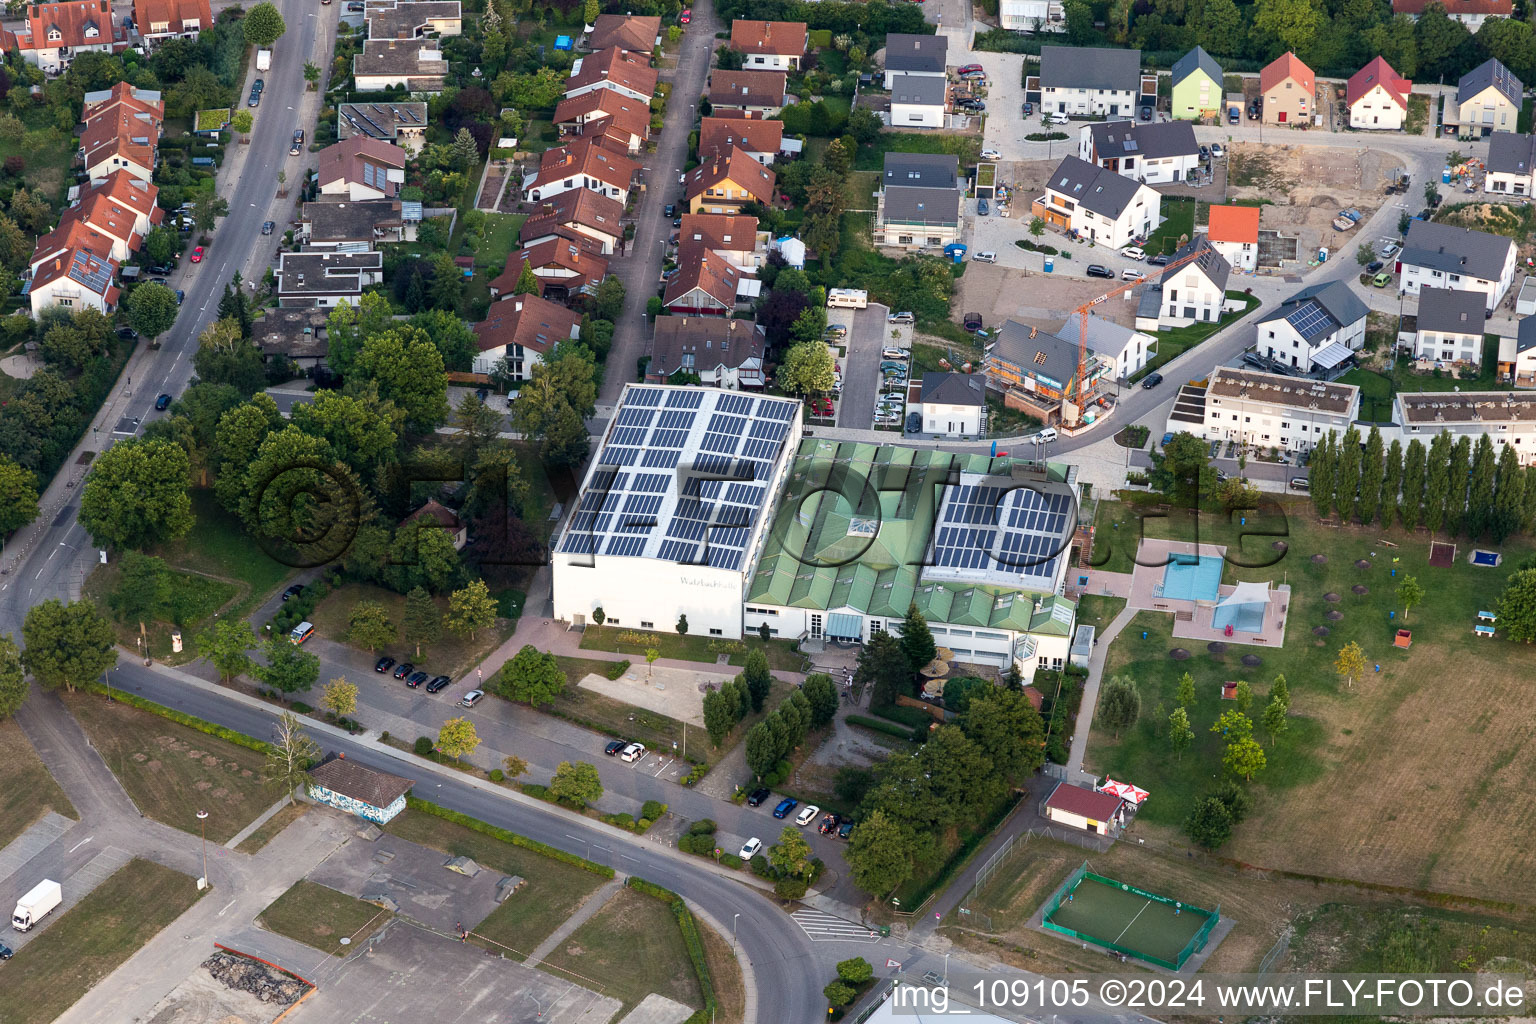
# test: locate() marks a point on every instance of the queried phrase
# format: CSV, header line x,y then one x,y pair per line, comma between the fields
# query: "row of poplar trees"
x,y
1453,486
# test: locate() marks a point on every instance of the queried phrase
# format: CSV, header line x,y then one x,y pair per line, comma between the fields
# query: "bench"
x,y
1483,630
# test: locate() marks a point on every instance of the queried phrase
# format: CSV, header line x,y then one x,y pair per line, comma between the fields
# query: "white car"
x,y
633,752
893,353
985,257
1057,118
991,154
1216,151
750,847
808,815
1132,252
1388,251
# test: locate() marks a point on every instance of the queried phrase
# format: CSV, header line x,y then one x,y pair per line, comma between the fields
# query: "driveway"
x,y
861,367
1006,125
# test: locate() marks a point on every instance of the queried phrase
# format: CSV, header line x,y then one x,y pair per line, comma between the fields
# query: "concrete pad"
x,y
415,878
657,1009
673,692
41,835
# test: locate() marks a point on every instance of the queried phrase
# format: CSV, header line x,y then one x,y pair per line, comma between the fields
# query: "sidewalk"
x,y
1090,701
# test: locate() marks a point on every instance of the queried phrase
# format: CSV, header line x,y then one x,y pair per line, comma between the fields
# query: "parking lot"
x,y
868,333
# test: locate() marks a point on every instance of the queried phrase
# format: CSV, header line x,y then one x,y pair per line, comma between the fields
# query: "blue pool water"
x,y
1190,579
1244,618
1485,557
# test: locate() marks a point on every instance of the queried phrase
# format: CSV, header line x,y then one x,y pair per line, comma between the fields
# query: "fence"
x,y
1196,941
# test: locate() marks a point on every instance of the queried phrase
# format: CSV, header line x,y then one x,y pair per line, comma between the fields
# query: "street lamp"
x,y
202,825
733,928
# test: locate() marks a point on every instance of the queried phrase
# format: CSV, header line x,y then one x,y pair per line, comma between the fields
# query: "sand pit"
x,y
673,692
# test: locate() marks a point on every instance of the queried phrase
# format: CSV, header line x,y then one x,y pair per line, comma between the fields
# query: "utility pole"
x,y
202,825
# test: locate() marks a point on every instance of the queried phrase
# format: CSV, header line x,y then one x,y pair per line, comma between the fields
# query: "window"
x,y
717,632
876,627
647,625
611,621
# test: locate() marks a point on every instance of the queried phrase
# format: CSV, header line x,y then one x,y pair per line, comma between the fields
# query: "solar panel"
x,y
635,417
628,435
776,410
725,443
736,404
643,397
684,398
668,438
674,419
768,430
1309,318
727,424
657,458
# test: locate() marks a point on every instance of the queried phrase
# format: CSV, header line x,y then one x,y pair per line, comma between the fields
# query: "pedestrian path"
x,y
821,926
1090,700
261,819
594,903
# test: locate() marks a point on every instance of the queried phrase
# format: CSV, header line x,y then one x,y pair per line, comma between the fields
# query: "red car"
x,y
197,255
686,16
826,407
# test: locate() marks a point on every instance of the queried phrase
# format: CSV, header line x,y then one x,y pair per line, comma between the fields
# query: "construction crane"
x,y
1083,311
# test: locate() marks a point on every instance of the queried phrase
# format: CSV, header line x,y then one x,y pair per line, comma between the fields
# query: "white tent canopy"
x,y
1246,593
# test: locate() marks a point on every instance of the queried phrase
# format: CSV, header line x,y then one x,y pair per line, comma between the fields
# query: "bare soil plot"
x,y
629,949
27,791
1307,186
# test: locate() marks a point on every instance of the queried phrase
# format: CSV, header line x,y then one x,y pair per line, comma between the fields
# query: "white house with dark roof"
x,y
324,279
952,404
725,352
1317,330
918,205
1266,410
1100,205
917,101
1127,349
907,54
1087,80
1450,326
1197,291
1511,164
1156,153
1443,256
1471,13
1517,355
1487,100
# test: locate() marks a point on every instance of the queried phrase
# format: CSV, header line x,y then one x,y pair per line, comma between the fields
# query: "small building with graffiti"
x,y
357,789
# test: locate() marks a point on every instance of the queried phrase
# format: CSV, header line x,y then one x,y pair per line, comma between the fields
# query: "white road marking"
x,y
226,907
81,843
820,926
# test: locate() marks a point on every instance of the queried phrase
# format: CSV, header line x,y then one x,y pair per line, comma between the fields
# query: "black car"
x,y
829,824
181,296
1029,108
259,85
1160,260
384,664
614,746
162,403
1146,113
845,829
1374,266
1095,270
757,796
255,100
267,227
404,669
416,679
1152,380
293,591
127,333
438,684
1205,152
160,269
5,951
671,210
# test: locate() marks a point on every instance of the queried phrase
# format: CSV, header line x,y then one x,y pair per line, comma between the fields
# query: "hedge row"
x,y
475,824
182,718
691,938
881,725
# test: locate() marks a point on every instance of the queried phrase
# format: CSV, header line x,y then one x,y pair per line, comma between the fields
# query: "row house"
x,y
579,212
763,141
74,277
618,119
324,280
747,93
1450,326
629,74
1090,80
518,333
1511,164
122,128
358,227
1265,410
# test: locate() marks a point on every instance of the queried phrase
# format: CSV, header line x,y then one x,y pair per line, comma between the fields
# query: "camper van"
x,y
847,298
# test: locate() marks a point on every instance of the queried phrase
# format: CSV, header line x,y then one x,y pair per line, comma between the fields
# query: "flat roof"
x,y
1427,408
1278,389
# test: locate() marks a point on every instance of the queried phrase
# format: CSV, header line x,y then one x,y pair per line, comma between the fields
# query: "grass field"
x,y
171,771
871,157
725,975
1178,222
27,790
629,949
1175,341
451,655
781,654
194,600
318,916
90,940
1115,915
1314,812
1377,389
274,825
219,546
554,890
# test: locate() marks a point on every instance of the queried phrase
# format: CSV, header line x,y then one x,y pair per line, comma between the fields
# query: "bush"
x,y
880,725
695,775
617,669
423,745
182,718
497,775
537,791
653,809
298,707
505,836
702,827
730,860
792,888
761,868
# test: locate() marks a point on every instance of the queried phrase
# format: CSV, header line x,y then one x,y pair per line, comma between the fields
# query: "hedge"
x,y
617,669
690,929
182,718
880,725
475,824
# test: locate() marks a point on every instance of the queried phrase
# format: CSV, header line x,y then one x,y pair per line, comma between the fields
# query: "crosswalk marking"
x,y
820,926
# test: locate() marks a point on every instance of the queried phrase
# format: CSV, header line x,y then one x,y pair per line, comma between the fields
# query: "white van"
x,y
847,298
1045,436
303,631
985,257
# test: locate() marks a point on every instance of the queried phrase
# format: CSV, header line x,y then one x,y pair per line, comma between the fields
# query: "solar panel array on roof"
x,y
1001,529
92,273
1310,318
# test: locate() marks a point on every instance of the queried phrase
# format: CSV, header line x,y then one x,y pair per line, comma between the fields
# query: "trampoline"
x,y
1488,559
1191,578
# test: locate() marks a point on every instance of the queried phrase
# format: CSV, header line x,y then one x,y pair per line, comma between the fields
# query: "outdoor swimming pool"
x,y
1188,578
1244,618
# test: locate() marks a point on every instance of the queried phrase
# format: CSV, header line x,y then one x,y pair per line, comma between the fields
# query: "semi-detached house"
x,y
1444,256
518,332
770,45
56,34
1098,204
726,182
725,352
753,93
121,131
157,20
1088,80
579,211
1155,153
1317,330
1511,164
763,140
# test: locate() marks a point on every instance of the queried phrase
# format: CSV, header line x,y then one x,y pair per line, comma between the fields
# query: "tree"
x,y
576,783
152,310
1456,477
765,746
1243,696
1244,757
13,678
362,428
821,693
1410,593
225,356
1210,823
1437,483
532,676
807,368
1365,254
422,555
339,697
263,25
1233,725
552,406
1508,497
457,738
590,11
864,125
513,766
143,589
242,121
423,623
879,854
470,609
838,993
18,496
1186,693
527,282
682,625
466,151
289,756
917,639
226,644
408,369
67,644
757,677
207,208
1008,730
1480,488
1320,476
1236,493
1346,485
1372,471
136,495
651,657
1037,226
1350,664
1410,507
289,667
883,665
160,245
312,74
1391,483
369,625
348,326
1277,711
1517,607
1119,704
719,716
855,971
791,854
1180,735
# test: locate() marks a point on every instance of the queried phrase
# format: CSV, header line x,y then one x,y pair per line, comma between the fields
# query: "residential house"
x,y
1317,330
770,45
918,55
1098,204
1265,410
637,33
581,163
1197,87
734,237
564,267
759,93
1444,256
724,183
1195,292
1040,364
1517,355
1156,153
1487,100
1377,97
417,65
579,211
952,404
1510,165
156,20
1287,86
1033,16
109,219
705,283
1471,13
404,124
1507,417
919,202
518,332
122,131
57,33
75,278
358,227
434,515
361,168
725,352
296,336
763,140
917,101
1450,326
627,73
1234,232
325,279
413,19
608,114
1088,80
1125,349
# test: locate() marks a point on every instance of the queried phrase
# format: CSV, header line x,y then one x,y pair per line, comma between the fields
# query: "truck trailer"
x,y
37,904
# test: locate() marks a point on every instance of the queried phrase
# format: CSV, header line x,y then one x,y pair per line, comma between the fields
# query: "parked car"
x,y
127,333
384,664
845,829
893,353
162,403
1374,266
1389,250
991,154
355,7
1029,109
671,210
298,143
197,255
267,227
914,422
835,331
785,806
181,296
1233,117
829,824
404,669
1131,274
1300,483
1205,153
633,752
294,590
259,85
1216,151
970,69
160,269
807,815
757,796
1045,436
1381,280
1146,113
1151,380
438,684
900,318
750,848
982,209
5,952
255,100
416,679
471,698
1057,118
614,746
1095,270
686,16
985,257
1160,260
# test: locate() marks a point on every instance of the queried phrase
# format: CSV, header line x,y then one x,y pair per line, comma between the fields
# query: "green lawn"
x,y
452,655
318,917
1178,222
47,165
501,236
1418,114
1378,389
554,890
93,939
633,642
27,789
872,157
172,771
219,546
629,949
194,599
1175,341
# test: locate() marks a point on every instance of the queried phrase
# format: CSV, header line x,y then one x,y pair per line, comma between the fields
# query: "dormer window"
x,y
54,35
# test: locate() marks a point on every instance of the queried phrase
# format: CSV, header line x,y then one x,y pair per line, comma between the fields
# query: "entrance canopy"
x,y
843,624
